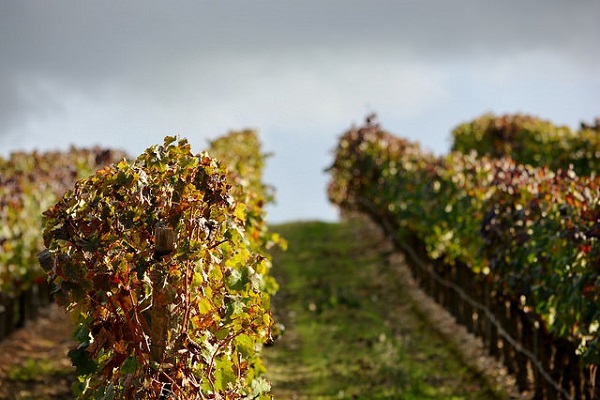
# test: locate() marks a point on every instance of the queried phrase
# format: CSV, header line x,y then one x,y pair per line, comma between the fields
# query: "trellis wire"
x,y
387,226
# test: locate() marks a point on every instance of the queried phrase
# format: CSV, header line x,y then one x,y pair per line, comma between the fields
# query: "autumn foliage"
x,y
29,184
162,264
531,231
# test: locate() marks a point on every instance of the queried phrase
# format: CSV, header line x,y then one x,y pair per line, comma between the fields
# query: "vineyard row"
x,y
29,184
162,263
518,239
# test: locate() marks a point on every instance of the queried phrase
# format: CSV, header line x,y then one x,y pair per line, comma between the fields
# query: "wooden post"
x,y
164,240
24,313
541,349
3,318
493,330
486,323
508,349
164,244
574,371
521,360
10,302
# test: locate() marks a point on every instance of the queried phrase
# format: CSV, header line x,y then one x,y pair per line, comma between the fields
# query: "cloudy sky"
x,y
125,74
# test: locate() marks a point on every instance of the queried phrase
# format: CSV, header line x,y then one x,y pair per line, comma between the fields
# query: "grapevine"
x,y
533,232
152,260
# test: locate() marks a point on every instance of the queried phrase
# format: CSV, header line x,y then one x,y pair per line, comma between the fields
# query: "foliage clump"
x,y
530,140
153,261
29,184
532,232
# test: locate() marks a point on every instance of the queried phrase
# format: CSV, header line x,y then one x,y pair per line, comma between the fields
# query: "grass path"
x,y
351,331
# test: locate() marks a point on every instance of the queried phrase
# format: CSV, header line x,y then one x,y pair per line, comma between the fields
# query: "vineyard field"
x,y
175,286
350,331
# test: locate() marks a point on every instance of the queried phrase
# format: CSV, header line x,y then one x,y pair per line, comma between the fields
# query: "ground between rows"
x,y
357,327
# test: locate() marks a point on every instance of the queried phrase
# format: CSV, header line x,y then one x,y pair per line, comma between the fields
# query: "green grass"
x,y
38,378
350,331
32,370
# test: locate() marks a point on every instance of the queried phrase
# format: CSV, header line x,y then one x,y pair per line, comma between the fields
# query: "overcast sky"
x,y
125,74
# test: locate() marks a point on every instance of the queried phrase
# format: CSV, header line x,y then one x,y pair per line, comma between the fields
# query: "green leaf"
x,y
260,387
222,333
169,140
109,392
82,362
130,365
245,345
205,306
238,279
224,374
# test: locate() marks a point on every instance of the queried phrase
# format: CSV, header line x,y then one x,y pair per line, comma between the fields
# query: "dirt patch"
x,y
34,362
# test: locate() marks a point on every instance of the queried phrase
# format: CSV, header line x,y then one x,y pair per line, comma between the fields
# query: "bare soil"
x,y
34,362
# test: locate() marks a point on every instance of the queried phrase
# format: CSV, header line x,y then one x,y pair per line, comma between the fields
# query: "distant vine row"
x,y
30,183
530,233
531,140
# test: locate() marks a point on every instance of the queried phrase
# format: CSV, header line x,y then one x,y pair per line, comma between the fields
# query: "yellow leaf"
x,y
240,212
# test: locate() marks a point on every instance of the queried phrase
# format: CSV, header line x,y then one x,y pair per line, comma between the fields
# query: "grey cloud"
x,y
146,45
94,38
